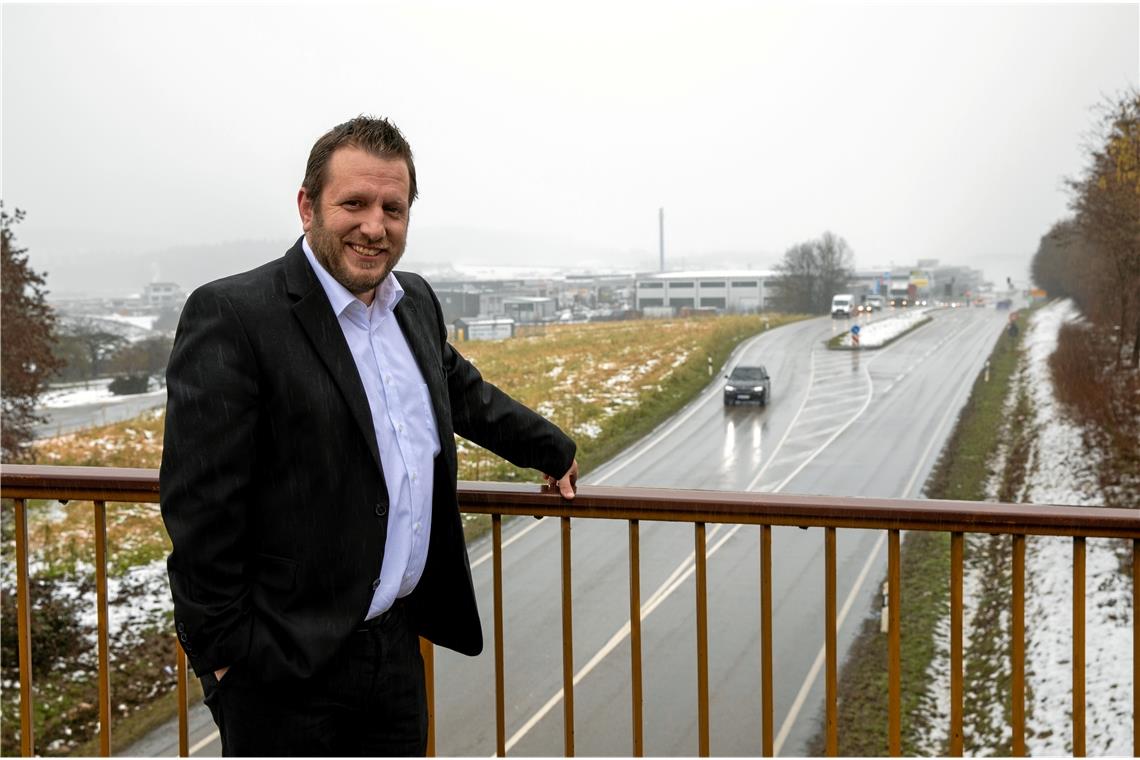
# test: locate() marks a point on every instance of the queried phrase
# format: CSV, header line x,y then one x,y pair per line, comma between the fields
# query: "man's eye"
x,y
352,204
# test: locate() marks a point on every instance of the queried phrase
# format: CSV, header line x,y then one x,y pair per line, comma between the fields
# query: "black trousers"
x,y
371,700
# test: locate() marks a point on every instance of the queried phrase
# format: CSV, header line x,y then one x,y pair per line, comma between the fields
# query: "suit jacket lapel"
x,y
313,311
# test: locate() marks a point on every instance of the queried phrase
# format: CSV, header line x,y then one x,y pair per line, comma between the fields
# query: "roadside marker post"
x,y
855,335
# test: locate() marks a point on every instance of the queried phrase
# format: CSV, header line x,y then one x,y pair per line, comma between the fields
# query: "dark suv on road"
x,y
747,384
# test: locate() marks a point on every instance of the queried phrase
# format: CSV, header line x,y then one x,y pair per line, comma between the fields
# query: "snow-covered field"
x,y
1061,471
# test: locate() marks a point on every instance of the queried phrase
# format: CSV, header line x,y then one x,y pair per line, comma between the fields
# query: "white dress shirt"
x,y
406,432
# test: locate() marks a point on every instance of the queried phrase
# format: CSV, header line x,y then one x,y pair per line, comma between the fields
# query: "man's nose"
x,y
372,226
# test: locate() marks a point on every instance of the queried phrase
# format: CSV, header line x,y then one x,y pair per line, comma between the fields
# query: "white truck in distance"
x,y
842,305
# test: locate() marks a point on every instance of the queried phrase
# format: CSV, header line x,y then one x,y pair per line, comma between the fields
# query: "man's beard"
x,y
329,250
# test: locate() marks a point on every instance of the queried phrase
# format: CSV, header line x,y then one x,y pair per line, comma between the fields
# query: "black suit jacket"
x,y
271,484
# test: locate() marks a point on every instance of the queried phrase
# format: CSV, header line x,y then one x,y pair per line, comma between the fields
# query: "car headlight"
x,y
730,387
758,388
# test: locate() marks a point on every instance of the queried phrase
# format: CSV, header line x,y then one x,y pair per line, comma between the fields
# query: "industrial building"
x,y
732,291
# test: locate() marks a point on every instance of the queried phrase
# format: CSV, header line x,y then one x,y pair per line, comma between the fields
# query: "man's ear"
x,y
305,208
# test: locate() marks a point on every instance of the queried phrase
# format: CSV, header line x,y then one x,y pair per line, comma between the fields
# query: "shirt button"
x,y
417,528
381,509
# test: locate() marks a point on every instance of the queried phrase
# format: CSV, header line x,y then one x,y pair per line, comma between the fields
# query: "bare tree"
x,y
812,272
836,265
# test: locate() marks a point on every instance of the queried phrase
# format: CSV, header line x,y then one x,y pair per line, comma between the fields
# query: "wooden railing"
x,y
635,505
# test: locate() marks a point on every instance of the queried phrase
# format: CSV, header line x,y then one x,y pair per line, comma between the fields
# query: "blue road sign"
x,y
854,329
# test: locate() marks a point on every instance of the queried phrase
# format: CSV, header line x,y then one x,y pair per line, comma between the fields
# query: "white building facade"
x,y
727,291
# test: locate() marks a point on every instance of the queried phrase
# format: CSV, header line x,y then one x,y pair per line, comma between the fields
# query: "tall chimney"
x,y
661,235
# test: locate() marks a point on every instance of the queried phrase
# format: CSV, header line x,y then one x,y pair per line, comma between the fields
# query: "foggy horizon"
x,y
137,135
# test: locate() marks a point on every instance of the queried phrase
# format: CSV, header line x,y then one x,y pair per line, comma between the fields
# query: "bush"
x,y
1103,399
57,633
129,384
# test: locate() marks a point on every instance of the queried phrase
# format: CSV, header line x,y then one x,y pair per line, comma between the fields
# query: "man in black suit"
x,y
309,472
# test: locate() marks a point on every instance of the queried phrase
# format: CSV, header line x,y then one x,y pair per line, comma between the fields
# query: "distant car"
x,y
872,303
747,384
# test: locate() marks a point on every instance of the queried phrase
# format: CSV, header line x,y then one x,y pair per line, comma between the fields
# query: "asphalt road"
x,y
68,419
868,423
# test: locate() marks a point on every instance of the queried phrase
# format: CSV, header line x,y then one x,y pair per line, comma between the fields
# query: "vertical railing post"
x,y
1135,647
104,628
767,708
831,678
567,643
183,697
956,614
635,637
702,641
500,676
1078,646
1017,655
24,631
894,641
427,653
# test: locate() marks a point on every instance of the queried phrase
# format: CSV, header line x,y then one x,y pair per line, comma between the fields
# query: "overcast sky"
x,y
552,132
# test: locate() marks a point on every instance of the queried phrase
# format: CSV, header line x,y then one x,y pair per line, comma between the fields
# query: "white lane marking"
x,y
813,673
655,436
801,697
791,425
203,742
829,441
822,446
515,537
679,575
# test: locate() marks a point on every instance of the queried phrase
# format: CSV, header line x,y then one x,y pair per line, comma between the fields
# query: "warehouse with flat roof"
x,y
738,291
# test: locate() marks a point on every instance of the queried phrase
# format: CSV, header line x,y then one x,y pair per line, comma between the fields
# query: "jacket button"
x,y
375,584
381,509
182,637
181,627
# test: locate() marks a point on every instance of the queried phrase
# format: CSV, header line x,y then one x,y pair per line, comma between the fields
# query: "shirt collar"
x,y
388,293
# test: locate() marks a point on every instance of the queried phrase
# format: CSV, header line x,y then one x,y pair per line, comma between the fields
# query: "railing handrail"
x,y
121,484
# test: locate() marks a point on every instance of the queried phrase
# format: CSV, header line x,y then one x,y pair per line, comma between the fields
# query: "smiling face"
x,y
358,225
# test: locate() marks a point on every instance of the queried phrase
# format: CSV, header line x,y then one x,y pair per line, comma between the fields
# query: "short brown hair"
x,y
379,137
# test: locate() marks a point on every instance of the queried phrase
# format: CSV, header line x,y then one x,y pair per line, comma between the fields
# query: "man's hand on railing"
x,y
568,483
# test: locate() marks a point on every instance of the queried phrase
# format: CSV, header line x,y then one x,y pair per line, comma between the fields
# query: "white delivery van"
x,y
842,305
